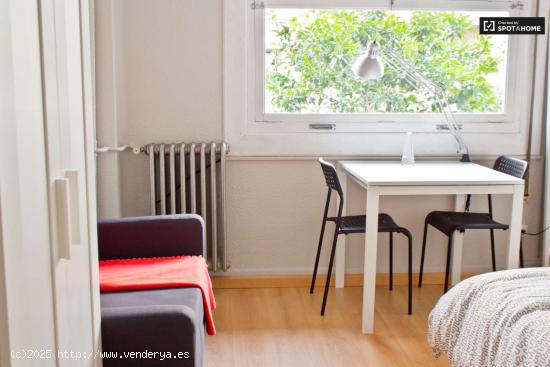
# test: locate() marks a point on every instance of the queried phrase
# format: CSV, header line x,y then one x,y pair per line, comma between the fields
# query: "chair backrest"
x,y
511,166
331,177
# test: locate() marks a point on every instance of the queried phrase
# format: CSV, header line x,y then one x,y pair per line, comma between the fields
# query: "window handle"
x,y
446,127
322,126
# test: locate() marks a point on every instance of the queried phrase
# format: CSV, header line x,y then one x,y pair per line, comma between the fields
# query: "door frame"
x,y
88,77
4,331
546,129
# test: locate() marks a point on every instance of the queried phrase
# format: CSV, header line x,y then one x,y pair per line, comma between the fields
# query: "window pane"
x,y
309,54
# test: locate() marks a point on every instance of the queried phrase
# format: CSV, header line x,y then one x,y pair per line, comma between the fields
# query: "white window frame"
x,y
250,131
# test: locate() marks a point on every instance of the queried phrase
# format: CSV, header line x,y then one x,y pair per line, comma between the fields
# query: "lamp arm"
x,y
454,128
414,78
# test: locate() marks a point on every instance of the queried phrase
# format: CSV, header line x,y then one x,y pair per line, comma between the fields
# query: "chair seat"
x,y
357,224
448,222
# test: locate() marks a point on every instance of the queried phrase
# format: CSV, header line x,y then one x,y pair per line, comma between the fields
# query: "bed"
x,y
494,319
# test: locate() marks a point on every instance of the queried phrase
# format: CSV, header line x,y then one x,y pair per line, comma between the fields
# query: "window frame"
x,y
245,122
507,116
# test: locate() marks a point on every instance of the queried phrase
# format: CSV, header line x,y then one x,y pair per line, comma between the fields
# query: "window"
x,y
308,55
287,71
303,56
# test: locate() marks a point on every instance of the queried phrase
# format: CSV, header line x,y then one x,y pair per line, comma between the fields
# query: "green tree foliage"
x,y
309,70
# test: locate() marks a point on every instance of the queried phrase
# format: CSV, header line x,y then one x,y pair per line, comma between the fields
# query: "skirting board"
x,y
303,281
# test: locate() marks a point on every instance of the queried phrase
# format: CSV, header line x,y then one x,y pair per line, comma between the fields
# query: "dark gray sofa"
x,y
162,320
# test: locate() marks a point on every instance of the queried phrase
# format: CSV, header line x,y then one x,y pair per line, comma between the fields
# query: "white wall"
x,y
275,208
158,75
166,71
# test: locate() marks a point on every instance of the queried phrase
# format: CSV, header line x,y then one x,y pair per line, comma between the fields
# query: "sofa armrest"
x,y
153,333
154,236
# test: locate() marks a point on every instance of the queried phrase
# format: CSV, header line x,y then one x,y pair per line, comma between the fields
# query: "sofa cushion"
x,y
163,235
131,308
190,297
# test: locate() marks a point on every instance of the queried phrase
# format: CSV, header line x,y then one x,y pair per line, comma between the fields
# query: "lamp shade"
x,y
369,66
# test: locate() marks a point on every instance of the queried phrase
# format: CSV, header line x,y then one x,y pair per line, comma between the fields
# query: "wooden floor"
x,y
282,327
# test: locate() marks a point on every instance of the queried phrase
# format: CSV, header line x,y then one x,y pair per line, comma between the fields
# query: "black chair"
x,y
354,224
449,222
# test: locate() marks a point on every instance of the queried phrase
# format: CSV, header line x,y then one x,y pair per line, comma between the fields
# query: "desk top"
x,y
425,173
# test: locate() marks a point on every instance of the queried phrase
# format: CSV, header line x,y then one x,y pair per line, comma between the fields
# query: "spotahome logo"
x,y
509,25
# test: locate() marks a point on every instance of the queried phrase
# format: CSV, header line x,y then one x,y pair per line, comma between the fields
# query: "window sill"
x,y
371,143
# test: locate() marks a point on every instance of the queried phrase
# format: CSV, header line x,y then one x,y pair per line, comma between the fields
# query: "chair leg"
x,y
409,237
391,261
493,250
424,238
329,273
448,266
521,263
314,277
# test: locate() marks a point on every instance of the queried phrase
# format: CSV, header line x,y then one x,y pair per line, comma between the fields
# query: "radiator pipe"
x,y
156,148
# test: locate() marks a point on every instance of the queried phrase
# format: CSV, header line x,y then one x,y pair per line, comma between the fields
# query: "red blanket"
x,y
160,272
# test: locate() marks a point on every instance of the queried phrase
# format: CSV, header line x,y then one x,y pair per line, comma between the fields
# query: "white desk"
x,y
424,178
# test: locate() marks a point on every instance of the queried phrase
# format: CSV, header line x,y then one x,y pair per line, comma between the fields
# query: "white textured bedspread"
x,y
495,319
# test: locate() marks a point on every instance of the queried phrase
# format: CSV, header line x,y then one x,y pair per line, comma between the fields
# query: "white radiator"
x,y
190,178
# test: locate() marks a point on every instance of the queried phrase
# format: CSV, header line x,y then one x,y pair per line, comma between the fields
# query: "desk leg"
x,y
341,244
514,238
369,273
458,239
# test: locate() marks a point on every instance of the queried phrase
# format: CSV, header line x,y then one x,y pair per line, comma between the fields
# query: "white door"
x,y
49,311
63,31
26,299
